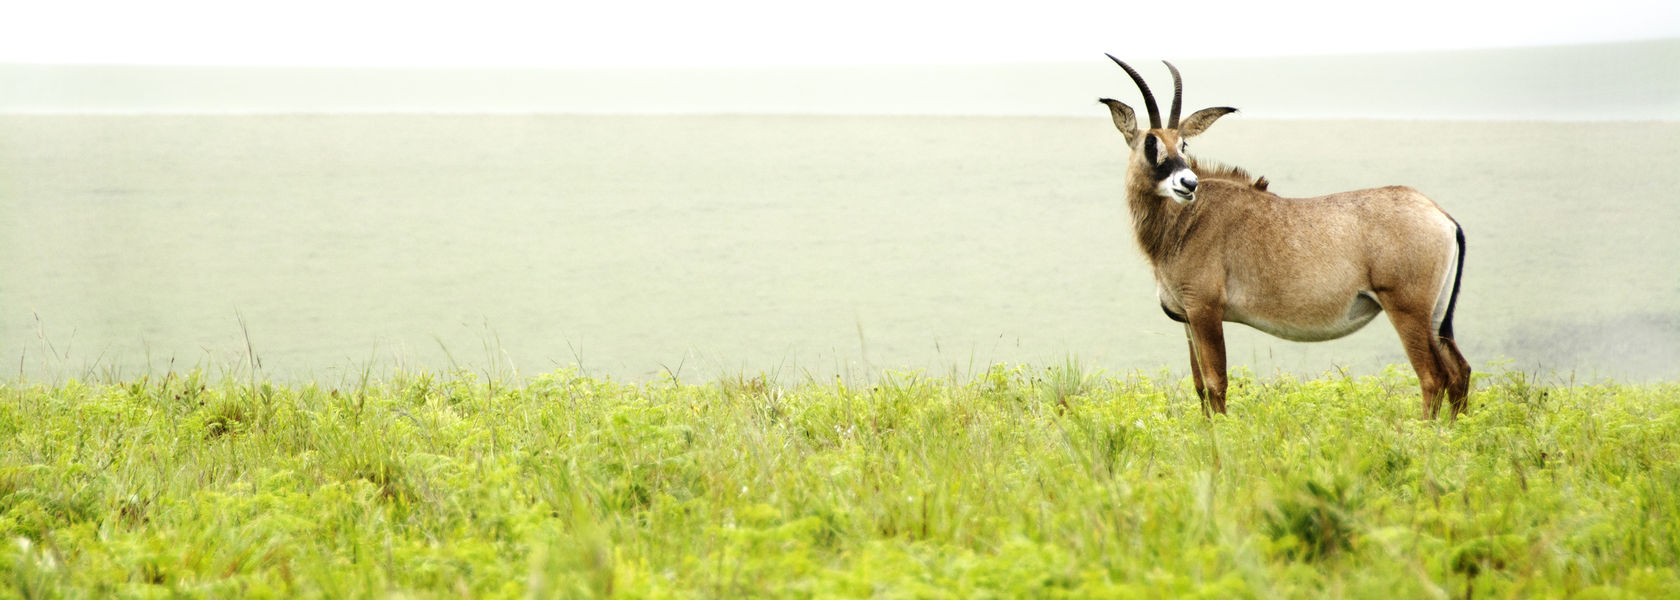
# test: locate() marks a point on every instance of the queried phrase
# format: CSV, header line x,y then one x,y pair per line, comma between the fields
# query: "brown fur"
x,y
1212,170
1300,268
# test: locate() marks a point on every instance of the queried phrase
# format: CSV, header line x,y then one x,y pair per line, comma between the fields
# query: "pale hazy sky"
x,y
606,33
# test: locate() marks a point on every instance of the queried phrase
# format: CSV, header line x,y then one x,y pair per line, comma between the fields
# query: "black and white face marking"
x,y
1173,177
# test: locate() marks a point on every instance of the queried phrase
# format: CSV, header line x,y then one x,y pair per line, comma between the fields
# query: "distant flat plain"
x,y
802,246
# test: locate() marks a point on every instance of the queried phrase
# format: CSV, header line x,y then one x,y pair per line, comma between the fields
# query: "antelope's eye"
x,y
1183,147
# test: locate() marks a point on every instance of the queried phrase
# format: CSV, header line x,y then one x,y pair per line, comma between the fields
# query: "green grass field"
x,y
1025,482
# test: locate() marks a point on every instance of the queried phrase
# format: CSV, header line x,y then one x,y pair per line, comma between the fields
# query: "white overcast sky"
x,y
683,33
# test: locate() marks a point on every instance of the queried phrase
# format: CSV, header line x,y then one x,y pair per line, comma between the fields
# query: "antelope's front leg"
x,y
1207,345
1196,368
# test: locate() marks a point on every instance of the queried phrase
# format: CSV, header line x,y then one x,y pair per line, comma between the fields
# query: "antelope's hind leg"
x,y
1457,372
1417,334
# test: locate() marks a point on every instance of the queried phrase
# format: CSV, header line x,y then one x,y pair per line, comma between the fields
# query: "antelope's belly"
x,y
1308,321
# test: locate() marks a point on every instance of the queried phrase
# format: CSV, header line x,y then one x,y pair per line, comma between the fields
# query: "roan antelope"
x,y
1307,269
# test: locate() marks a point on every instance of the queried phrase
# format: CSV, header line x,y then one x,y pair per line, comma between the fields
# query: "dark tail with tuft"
x,y
1458,276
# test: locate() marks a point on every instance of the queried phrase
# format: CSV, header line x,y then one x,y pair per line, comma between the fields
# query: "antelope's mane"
x,y
1212,170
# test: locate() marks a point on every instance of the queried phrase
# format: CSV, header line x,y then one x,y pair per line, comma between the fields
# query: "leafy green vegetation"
x,y
1024,482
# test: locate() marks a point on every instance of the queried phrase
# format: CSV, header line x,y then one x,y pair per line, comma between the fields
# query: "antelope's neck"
x,y
1159,223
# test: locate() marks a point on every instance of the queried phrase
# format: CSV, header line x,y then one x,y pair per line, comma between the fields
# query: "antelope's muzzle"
x,y
1183,186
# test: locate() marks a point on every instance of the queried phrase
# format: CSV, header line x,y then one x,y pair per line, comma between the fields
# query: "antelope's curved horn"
x,y
1178,96
1148,98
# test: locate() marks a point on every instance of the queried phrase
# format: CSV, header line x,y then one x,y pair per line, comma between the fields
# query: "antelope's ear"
x,y
1124,120
1197,123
